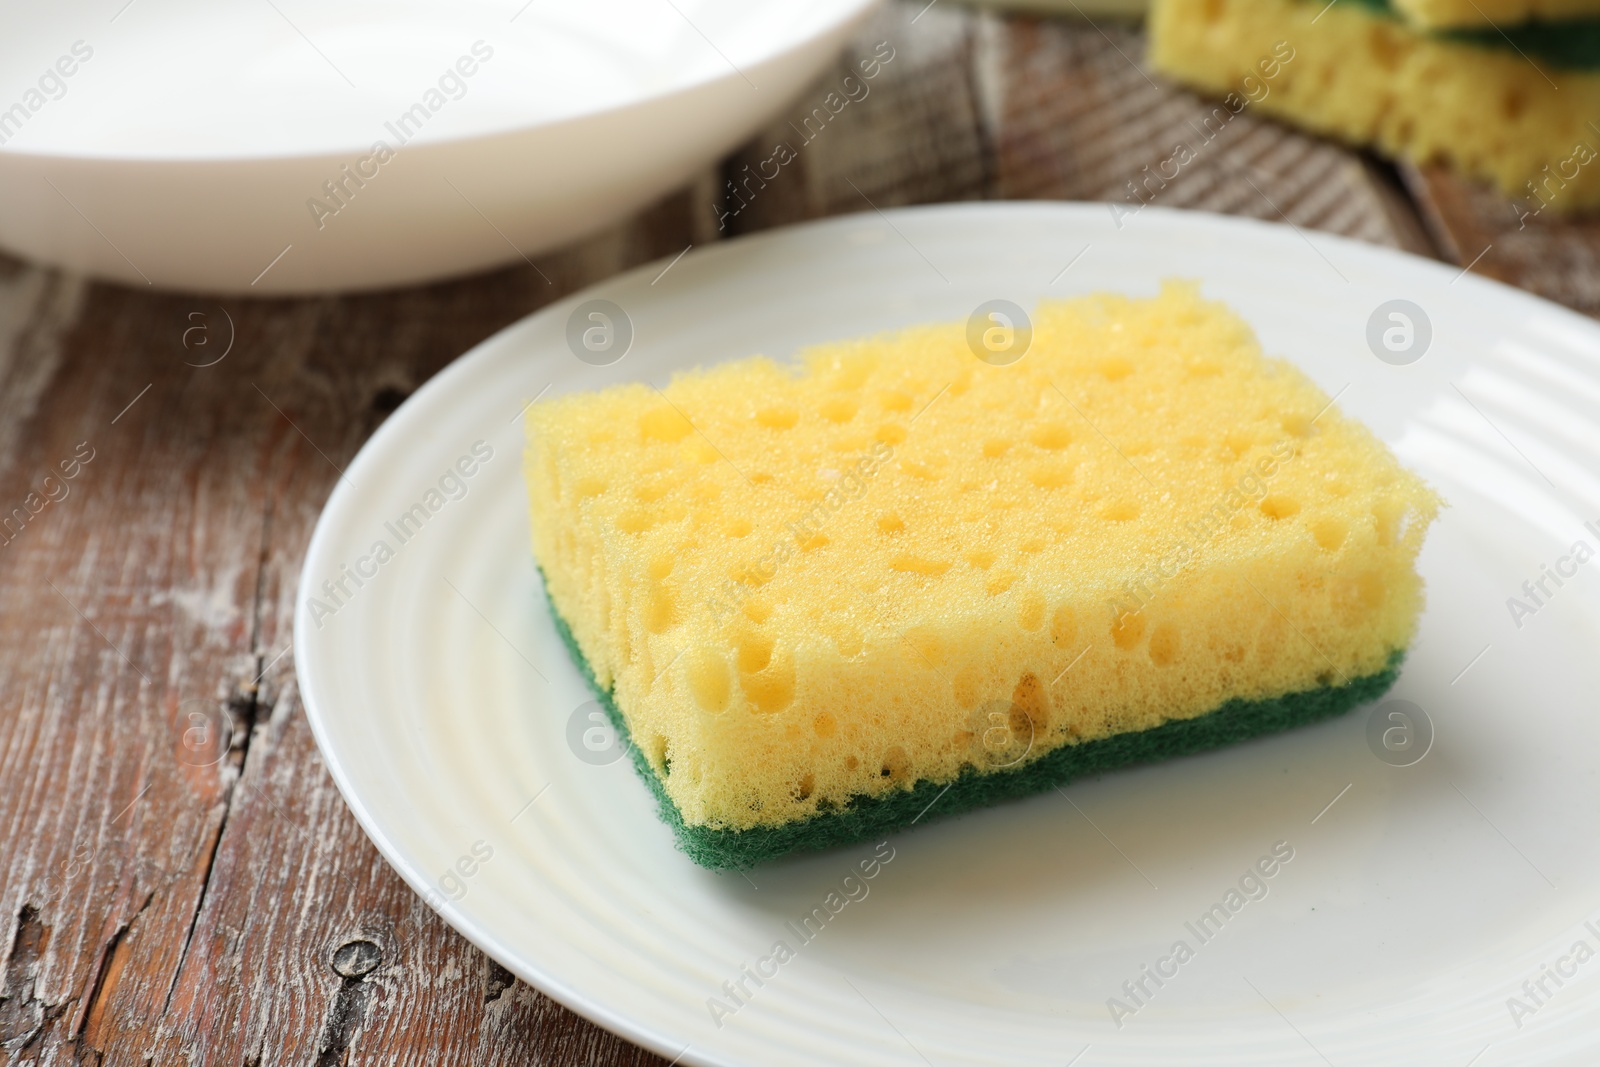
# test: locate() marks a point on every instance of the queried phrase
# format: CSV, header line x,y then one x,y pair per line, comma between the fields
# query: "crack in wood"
x,y
212,847
387,399
263,562
104,984
23,1017
349,1011
497,981
244,706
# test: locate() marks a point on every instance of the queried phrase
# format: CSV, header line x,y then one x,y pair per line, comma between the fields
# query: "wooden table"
x,y
179,879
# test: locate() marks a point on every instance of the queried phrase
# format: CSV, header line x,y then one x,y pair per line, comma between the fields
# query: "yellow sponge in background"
x,y
1368,78
1424,14
1442,14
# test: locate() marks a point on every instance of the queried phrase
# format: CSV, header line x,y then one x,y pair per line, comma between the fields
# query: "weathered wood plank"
x,y
1084,118
1513,242
180,869
113,626
907,134
292,854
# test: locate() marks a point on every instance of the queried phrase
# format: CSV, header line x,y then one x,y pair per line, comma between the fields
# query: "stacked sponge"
x,y
1504,90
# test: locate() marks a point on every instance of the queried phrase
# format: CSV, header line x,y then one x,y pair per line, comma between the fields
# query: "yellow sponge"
x,y
804,586
1441,14
1365,77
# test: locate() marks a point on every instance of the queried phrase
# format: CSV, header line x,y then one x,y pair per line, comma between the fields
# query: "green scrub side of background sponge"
x,y
1573,44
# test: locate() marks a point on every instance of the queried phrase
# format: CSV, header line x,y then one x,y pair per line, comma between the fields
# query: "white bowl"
x,y
188,144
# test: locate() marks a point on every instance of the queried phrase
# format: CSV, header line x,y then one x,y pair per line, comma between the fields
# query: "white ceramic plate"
x,y
1414,906
186,143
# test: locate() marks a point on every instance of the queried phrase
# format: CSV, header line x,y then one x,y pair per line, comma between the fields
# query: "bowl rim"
x,y
849,13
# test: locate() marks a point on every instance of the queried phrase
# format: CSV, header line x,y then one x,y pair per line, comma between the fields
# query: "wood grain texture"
x,y
181,871
1511,241
180,881
908,135
1084,118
